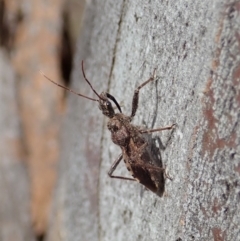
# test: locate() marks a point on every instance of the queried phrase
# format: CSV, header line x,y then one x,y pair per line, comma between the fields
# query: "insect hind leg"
x,y
113,168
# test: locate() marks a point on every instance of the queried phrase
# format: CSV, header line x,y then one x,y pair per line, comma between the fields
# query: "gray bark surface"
x,y
195,47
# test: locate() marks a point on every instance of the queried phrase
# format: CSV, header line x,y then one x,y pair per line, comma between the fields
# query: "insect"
x,y
129,138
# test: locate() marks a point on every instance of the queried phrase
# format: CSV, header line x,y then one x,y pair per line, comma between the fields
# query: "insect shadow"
x,y
137,155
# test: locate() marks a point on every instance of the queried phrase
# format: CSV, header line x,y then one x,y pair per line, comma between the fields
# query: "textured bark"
x,y
195,47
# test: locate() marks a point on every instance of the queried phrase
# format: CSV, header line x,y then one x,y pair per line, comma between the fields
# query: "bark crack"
x,y
116,42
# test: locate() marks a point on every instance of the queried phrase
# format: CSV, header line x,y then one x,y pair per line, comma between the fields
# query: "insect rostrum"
x,y
130,139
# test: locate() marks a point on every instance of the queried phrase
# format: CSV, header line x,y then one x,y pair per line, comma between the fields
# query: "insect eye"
x,y
107,103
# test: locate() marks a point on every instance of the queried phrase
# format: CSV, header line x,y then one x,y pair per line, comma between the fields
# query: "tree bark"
x,y
195,48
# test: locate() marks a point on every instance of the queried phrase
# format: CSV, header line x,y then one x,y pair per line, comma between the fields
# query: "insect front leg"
x,y
114,166
136,94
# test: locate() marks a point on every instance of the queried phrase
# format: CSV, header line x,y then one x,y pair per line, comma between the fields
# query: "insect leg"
x,y
136,94
114,166
158,129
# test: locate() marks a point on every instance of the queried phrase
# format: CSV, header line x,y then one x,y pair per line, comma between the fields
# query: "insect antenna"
x,y
90,83
108,95
72,91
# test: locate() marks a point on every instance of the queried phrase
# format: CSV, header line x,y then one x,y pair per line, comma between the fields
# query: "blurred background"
x,y
34,35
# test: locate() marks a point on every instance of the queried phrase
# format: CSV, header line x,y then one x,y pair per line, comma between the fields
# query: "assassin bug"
x,y
129,138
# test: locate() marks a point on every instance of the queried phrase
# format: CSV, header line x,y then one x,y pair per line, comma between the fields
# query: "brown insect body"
x,y
135,153
130,139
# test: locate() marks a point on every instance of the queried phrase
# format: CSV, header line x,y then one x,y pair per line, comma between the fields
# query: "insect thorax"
x,y
119,127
